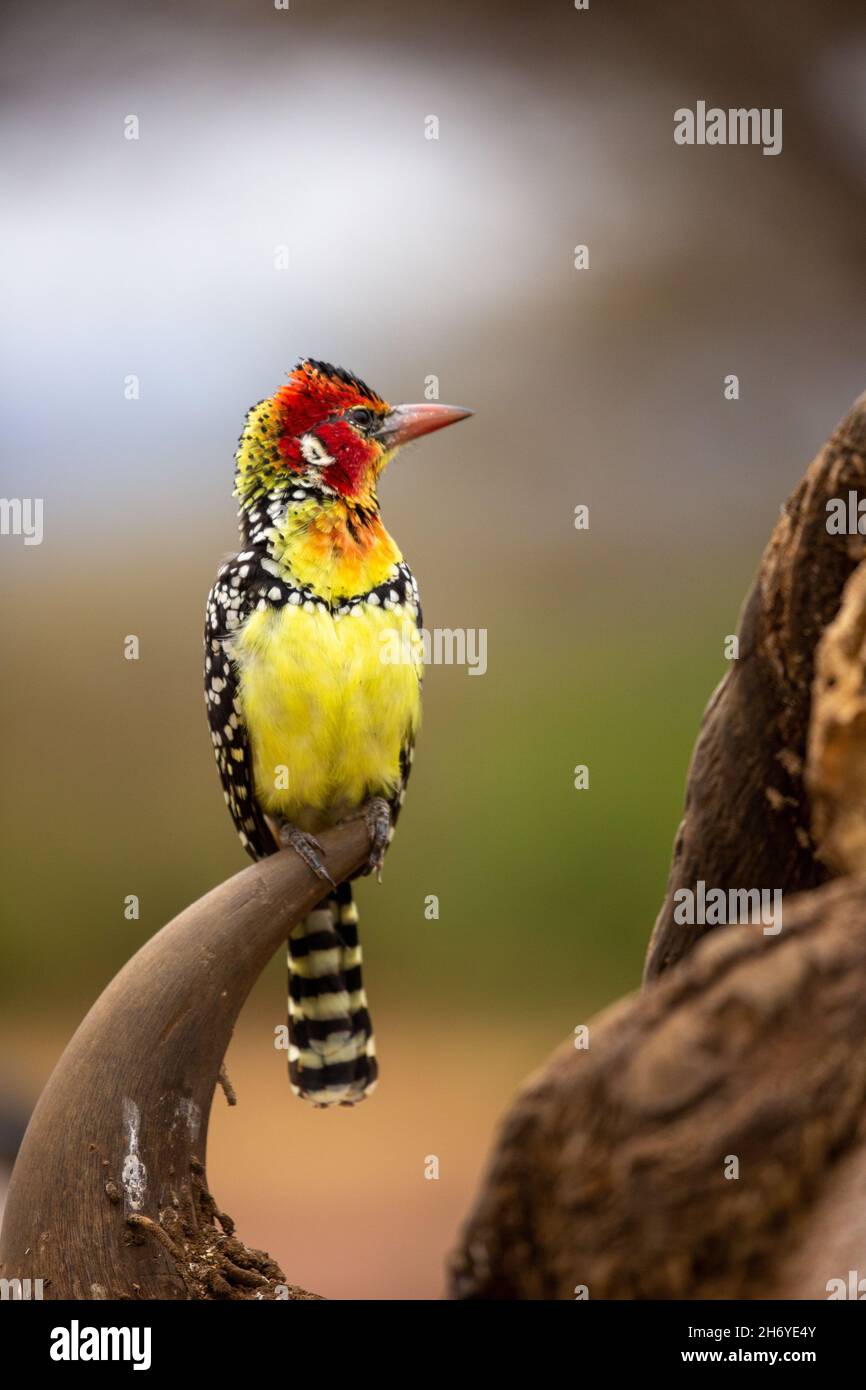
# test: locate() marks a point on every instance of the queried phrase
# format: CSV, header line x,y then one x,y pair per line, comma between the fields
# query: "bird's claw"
x,y
377,818
309,849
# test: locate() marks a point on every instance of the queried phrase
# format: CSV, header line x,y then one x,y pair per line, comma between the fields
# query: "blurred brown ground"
x,y
339,1198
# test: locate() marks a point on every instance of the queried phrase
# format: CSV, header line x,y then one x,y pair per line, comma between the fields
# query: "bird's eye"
x,y
362,418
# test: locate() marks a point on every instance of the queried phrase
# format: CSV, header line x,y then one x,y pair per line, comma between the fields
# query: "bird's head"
x,y
332,433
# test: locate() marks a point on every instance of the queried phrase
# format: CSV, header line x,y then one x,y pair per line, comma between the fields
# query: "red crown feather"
x,y
315,391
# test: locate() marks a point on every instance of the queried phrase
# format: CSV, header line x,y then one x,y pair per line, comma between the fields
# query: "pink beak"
x,y
411,421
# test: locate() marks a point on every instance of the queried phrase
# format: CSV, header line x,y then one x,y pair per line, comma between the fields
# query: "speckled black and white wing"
x,y
410,595
230,602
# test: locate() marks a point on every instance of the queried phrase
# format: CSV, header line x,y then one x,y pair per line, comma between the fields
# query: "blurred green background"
x,y
546,892
605,387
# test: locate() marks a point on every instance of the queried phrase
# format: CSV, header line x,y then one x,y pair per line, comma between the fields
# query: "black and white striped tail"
x,y
332,1055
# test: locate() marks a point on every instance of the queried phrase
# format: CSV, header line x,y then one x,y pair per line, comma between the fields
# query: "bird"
x,y
313,670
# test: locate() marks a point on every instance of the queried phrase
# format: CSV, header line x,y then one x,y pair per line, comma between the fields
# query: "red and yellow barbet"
x,y
312,719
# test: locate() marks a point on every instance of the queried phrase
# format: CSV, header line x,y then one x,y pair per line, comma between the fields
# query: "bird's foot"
x,y
309,849
377,818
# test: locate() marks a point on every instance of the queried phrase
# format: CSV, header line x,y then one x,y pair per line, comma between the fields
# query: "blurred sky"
x,y
407,257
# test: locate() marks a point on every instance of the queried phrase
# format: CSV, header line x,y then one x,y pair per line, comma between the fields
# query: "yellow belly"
x,y
329,702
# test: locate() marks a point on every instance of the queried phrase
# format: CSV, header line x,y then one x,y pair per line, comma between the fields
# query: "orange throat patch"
x,y
337,549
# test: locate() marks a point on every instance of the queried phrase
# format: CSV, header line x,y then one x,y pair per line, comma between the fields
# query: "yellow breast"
x,y
329,701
